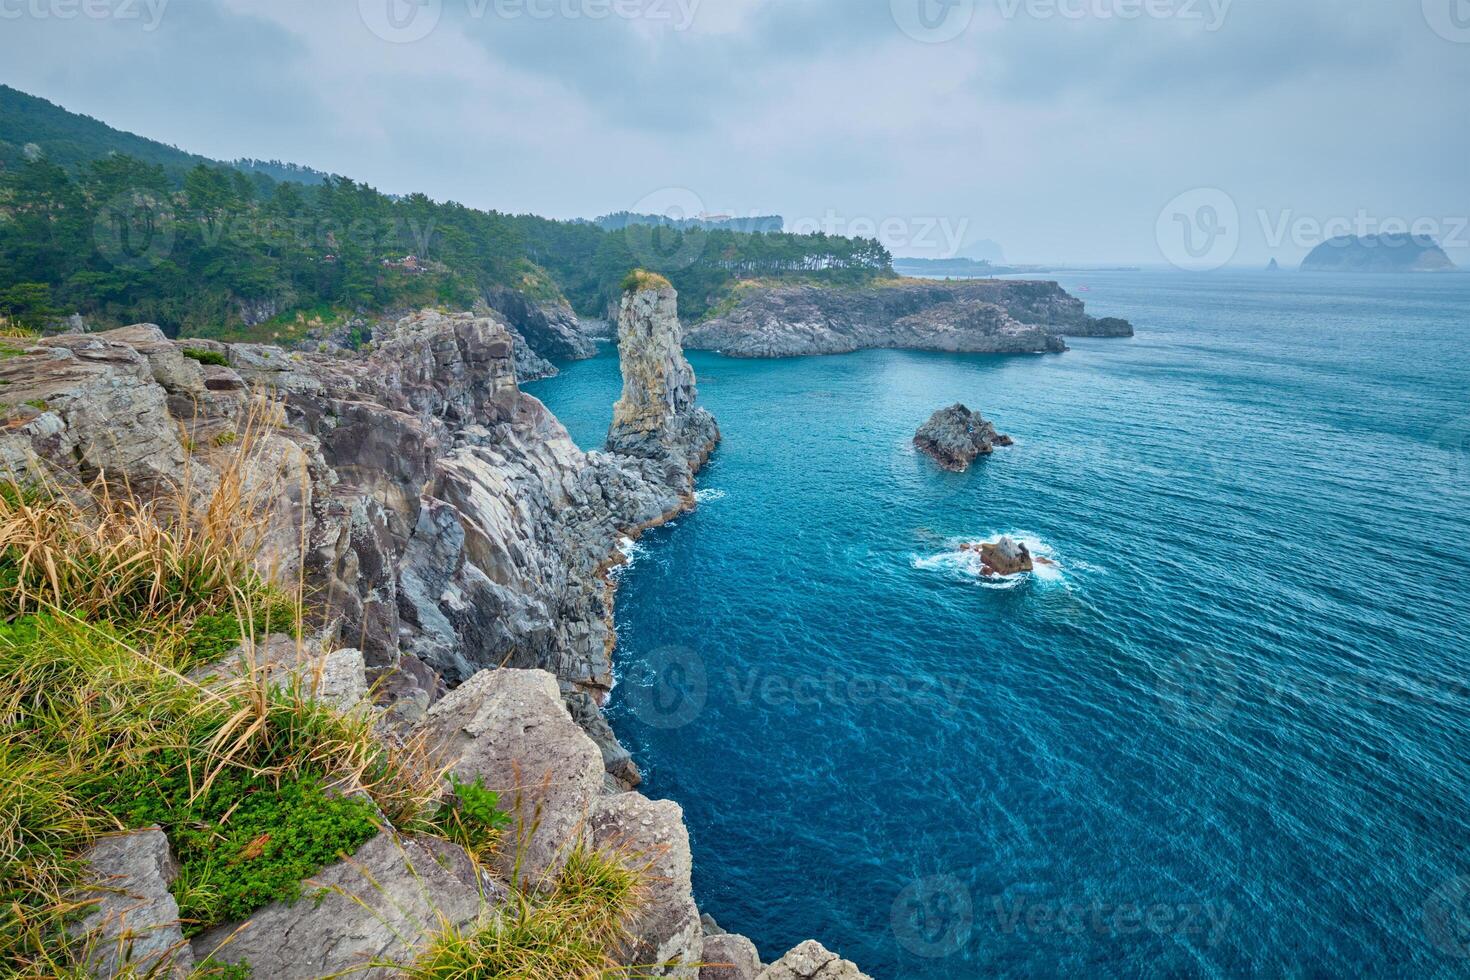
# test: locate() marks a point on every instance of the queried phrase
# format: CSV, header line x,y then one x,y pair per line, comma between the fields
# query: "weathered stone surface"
x,y
135,922
955,436
551,330
812,961
510,729
989,316
1005,556
656,420
376,907
729,957
668,931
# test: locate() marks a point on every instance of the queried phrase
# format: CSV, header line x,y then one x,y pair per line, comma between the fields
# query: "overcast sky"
x,y
1096,131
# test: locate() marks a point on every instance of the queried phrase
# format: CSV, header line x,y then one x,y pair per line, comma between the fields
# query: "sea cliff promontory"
x,y
989,316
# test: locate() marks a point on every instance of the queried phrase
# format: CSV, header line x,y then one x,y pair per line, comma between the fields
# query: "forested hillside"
x,y
122,229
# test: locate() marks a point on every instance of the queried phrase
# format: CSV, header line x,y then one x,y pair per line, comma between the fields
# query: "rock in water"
x,y
955,436
1004,557
656,420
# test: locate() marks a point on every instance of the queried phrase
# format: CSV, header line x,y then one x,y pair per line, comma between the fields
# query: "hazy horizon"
x,y
1140,132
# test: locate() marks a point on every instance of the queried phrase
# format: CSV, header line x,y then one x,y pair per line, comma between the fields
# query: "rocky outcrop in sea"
x,y
1378,253
955,437
457,543
990,316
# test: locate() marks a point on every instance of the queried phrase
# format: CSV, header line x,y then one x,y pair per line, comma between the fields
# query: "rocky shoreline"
x,y
988,316
449,530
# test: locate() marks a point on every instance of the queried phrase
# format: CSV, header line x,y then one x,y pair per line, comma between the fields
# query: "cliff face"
x,y
1378,253
656,420
977,316
546,332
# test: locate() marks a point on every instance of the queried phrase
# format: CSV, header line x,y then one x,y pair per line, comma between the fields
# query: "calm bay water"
x,y
1228,736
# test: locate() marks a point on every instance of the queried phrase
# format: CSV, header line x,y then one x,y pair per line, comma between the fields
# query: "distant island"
x,y
1378,253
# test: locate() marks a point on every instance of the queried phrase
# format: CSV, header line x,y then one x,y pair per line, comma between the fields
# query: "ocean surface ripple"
x,y
1228,735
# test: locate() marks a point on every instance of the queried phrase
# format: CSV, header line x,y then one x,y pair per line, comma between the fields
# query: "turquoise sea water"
x,y
1228,736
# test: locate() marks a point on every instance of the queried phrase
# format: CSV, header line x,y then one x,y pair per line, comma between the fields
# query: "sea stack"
x,y
1005,556
656,419
955,436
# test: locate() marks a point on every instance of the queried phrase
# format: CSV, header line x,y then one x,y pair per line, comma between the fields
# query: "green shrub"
x,y
206,357
473,818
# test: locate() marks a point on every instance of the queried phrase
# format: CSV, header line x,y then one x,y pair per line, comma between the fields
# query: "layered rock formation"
x,y
989,316
546,331
1378,253
656,420
956,436
454,537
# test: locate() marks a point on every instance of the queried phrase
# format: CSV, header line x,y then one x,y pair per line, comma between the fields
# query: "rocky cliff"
x,y
656,420
546,331
988,316
1378,253
451,533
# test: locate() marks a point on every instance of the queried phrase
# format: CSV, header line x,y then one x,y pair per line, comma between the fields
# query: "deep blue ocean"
x,y
1229,735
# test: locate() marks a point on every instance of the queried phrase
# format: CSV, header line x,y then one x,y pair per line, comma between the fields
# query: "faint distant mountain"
x,y
1378,253
770,223
1274,266
984,250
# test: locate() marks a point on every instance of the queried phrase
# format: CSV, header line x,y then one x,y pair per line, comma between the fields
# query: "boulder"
x,y
729,957
135,922
1005,556
812,961
510,729
667,932
360,916
956,436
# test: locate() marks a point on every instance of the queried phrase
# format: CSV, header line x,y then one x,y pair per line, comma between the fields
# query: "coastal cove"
x,y
1226,734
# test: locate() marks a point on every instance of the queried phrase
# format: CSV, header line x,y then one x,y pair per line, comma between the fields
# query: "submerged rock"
x,y
955,436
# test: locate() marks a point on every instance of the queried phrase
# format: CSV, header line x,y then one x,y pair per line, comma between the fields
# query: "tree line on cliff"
x,y
122,229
